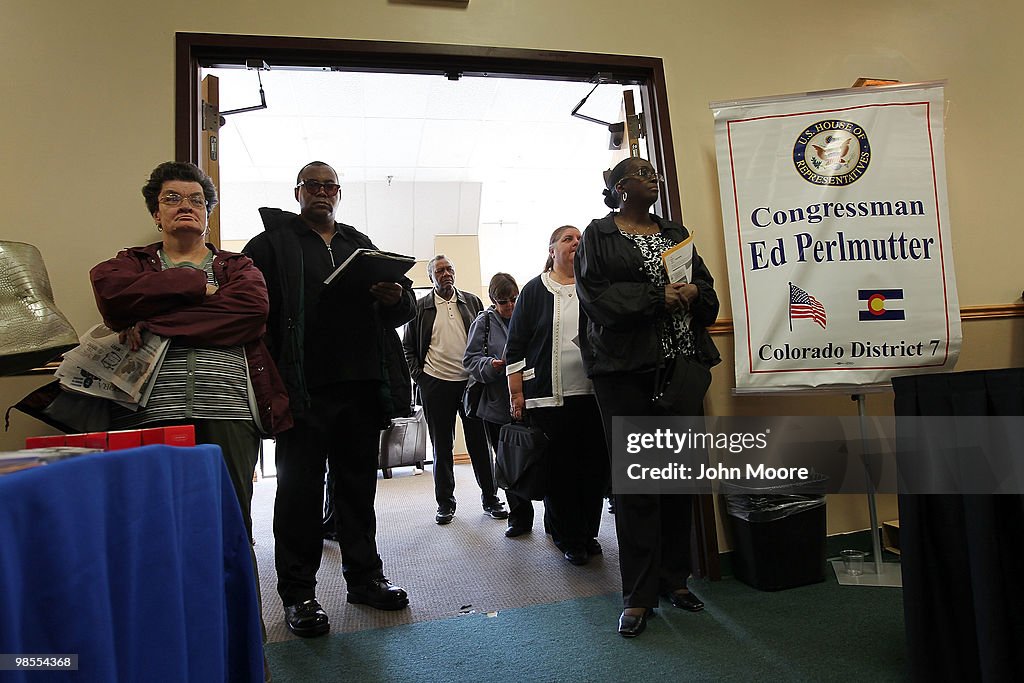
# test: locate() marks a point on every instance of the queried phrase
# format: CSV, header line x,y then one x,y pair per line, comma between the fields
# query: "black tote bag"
x,y
681,388
521,466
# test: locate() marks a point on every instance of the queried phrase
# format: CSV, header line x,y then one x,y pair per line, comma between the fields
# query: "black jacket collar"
x,y
428,301
607,224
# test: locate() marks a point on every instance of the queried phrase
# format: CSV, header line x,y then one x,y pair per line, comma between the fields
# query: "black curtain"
x,y
963,555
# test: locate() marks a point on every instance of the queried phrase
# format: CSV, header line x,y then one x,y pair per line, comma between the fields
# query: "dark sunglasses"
x,y
505,302
314,186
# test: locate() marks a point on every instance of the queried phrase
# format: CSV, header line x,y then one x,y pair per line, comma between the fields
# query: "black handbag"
x,y
471,398
64,410
475,390
521,465
681,385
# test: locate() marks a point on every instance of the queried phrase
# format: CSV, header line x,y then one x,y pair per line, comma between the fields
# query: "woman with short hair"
x,y
485,362
212,305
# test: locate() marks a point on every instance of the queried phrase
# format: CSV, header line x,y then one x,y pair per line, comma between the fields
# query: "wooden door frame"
x,y
194,51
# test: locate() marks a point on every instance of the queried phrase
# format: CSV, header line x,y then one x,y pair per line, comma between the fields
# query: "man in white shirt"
x,y
435,342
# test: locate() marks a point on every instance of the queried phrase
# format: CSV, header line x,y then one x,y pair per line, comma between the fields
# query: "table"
x,y
137,561
961,554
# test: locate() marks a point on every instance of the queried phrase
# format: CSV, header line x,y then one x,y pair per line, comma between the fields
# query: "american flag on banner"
x,y
803,305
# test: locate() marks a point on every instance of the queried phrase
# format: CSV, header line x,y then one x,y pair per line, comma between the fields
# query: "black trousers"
x,y
442,401
342,427
520,510
653,530
578,465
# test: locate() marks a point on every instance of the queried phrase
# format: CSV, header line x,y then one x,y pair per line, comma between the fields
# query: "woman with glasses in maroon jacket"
x,y
212,305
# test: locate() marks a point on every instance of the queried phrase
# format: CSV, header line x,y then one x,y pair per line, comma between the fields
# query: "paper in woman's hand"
x,y
679,262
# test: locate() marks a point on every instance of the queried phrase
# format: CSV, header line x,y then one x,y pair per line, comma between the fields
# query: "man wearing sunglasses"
x,y
332,349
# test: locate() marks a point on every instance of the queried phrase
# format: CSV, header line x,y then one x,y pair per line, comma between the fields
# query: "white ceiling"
x,y
413,127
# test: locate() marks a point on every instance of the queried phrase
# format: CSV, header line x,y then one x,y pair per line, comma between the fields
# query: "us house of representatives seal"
x,y
832,152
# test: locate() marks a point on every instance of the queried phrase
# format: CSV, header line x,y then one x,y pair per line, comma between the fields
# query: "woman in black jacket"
x,y
546,378
636,323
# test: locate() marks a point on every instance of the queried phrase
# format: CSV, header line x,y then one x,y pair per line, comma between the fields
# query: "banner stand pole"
x,y
876,545
885,574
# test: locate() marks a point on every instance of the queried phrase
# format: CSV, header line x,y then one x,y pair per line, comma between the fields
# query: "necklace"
x,y
567,288
635,228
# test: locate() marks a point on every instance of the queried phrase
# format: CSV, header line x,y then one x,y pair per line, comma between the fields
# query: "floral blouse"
x,y
674,330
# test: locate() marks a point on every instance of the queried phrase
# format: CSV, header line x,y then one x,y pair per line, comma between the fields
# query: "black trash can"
x,y
779,538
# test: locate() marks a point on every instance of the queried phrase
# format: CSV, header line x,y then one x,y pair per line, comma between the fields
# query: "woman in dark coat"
x,y
636,323
546,379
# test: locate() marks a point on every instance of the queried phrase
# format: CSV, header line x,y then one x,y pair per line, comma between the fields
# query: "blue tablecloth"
x,y
137,561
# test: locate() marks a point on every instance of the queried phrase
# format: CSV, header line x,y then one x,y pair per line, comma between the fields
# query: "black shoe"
x,y
444,516
686,601
593,547
631,627
514,531
379,594
307,619
577,556
496,510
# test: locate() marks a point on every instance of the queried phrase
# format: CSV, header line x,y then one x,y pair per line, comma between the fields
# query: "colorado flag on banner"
x,y
879,306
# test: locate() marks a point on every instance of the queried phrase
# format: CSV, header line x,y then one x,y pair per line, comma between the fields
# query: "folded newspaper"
x,y
102,366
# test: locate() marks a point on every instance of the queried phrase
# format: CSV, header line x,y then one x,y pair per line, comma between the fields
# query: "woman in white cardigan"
x,y
546,379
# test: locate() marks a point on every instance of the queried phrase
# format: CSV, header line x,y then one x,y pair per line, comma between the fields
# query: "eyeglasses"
x,y
197,200
314,187
505,302
645,173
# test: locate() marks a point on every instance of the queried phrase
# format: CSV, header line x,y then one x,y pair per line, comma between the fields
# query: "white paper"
x,y
679,261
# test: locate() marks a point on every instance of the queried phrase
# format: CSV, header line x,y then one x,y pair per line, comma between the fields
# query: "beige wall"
x,y
88,111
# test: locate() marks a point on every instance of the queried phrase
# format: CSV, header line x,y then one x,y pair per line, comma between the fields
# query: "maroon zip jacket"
x,y
132,288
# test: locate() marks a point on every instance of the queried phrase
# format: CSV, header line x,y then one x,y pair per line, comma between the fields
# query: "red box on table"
x,y
181,435
90,440
45,441
129,438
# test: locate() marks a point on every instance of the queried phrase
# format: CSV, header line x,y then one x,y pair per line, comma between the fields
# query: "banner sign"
x,y
837,237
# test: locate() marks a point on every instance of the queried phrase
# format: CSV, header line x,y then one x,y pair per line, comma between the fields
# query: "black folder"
x,y
366,267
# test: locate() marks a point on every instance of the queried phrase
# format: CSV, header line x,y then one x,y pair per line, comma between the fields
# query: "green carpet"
x,y
820,632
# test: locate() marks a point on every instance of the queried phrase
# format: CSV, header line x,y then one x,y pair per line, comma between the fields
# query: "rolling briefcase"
x,y
404,442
